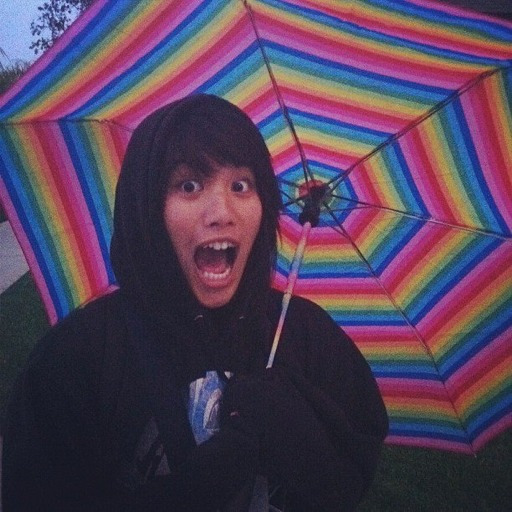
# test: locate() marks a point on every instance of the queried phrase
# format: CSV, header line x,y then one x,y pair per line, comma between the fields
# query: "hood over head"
x,y
199,131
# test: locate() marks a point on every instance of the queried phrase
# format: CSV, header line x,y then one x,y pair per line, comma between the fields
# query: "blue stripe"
x,y
493,412
185,31
486,28
337,128
245,64
393,243
478,338
357,77
67,60
468,257
45,254
428,430
470,170
84,164
404,371
403,180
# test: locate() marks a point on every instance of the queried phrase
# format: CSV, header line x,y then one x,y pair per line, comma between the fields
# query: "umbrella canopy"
x,y
398,112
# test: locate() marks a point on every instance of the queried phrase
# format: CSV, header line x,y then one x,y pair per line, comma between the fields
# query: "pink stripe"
x,y
60,45
414,145
200,69
396,334
496,264
494,430
340,286
328,156
497,351
263,105
87,232
361,56
459,11
28,253
414,392
358,115
428,442
404,266
123,57
480,127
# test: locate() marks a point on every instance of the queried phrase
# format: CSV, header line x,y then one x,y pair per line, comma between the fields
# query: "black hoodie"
x,y
98,419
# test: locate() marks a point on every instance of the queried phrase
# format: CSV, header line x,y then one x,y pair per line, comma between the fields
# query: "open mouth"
x,y
215,260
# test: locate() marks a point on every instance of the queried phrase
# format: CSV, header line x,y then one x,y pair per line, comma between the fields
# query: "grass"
x,y
22,322
408,479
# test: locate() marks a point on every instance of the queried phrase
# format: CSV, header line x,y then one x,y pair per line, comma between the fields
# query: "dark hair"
x,y
198,131
209,130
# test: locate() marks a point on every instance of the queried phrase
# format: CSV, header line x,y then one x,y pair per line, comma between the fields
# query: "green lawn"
x,y
408,479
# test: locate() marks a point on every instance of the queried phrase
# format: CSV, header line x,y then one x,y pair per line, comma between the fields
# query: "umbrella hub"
x,y
312,193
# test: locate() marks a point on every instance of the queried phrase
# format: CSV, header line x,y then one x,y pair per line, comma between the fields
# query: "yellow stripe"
x,y
379,49
175,62
51,209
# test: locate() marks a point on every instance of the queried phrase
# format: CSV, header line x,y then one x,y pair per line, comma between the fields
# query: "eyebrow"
x,y
183,172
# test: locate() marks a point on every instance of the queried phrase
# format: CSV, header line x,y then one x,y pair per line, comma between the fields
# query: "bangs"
x,y
202,142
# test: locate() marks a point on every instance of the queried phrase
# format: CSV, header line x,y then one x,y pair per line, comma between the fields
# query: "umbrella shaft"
x,y
292,278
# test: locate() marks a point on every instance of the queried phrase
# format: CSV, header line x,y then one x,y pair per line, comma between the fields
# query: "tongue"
x,y
210,260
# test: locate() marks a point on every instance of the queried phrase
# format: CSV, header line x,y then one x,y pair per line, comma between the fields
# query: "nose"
x,y
218,209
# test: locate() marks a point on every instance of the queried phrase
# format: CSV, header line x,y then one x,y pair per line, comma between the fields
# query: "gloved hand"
x,y
214,473
219,468
297,449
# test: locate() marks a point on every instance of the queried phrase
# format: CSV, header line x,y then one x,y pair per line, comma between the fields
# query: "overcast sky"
x,y
15,36
16,15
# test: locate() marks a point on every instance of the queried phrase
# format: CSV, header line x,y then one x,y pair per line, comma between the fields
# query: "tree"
x,y
10,72
55,17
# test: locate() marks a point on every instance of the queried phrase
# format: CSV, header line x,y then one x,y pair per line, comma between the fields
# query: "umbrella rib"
x,y
452,97
424,218
402,313
308,175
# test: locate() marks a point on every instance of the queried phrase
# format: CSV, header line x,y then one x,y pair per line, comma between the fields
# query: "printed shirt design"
x,y
204,398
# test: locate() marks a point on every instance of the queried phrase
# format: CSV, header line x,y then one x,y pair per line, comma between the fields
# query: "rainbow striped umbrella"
x,y
397,112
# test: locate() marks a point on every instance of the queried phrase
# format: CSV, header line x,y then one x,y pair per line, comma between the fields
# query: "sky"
x,y
15,36
16,15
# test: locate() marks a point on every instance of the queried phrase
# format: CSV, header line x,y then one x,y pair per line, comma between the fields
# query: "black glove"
x,y
297,449
215,473
220,467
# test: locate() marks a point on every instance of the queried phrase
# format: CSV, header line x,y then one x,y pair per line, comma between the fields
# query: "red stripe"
x,y
479,368
415,31
469,287
359,115
365,186
359,221
408,260
426,172
76,233
204,62
120,59
262,105
362,56
485,116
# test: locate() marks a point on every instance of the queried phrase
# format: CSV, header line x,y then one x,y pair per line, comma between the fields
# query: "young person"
x,y
156,396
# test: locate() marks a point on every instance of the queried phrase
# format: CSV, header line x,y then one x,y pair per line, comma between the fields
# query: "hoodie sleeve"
x,y
66,437
333,377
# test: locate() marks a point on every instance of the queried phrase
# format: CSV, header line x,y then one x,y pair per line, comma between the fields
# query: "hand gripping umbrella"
x,y
389,121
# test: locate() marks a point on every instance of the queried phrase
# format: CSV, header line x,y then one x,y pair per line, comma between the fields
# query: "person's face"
x,y
212,222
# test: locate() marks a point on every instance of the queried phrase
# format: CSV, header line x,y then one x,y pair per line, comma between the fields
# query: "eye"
x,y
190,186
242,186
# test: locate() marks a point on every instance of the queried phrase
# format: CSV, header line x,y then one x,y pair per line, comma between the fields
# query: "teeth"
x,y
211,275
218,246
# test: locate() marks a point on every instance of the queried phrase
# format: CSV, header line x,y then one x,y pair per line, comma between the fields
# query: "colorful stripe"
x,y
403,108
